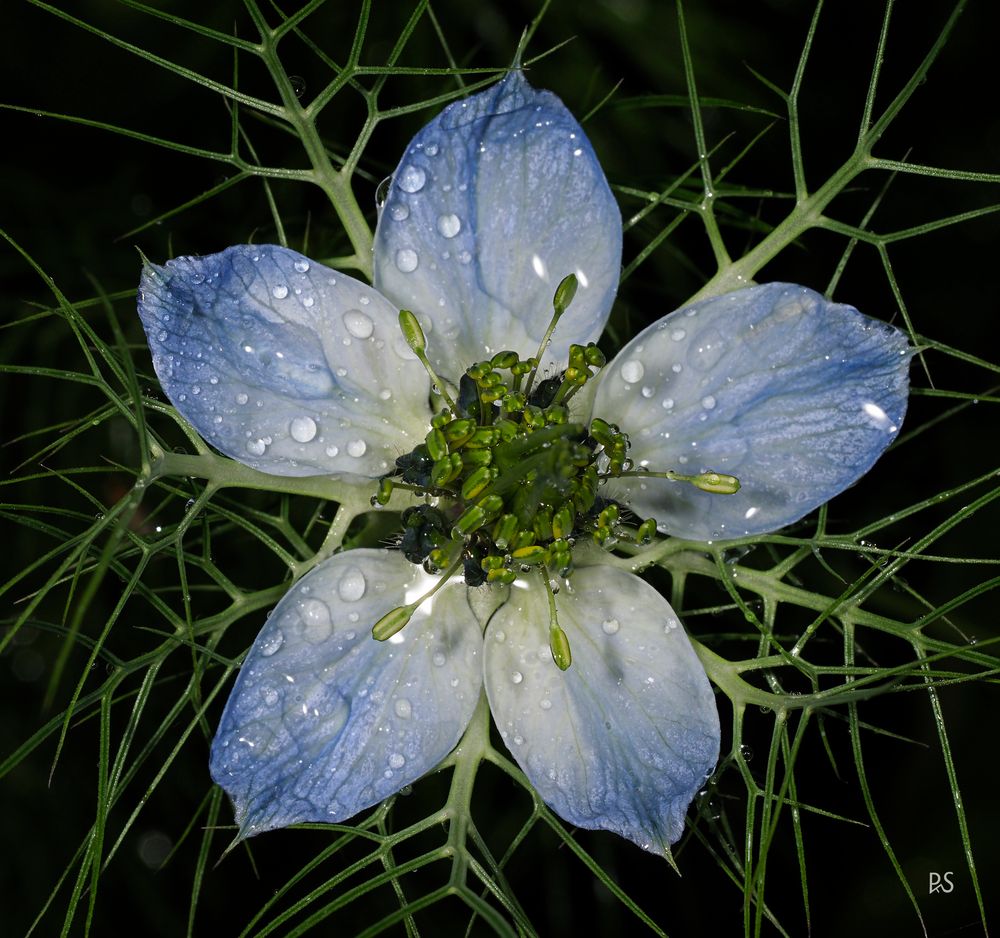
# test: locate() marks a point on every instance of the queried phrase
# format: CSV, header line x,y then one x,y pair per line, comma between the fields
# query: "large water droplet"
x,y
302,429
610,626
352,585
407,260
449,225
632,371
403,708
279,292
256,447
399,211
358,323
301,265
412,179
316,618
271,643
356,448
708,402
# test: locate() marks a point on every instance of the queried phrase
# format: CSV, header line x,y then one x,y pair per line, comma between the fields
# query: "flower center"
x,y
513,480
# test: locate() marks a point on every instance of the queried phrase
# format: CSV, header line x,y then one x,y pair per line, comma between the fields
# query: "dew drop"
x,y
272,643
678,334
545,703
352,585
632,371
708,402
356,448
610,626
316,618
431,149
464,257
301,266
256,447
241,398
407,260
270,696
396,761
648,391
449,225
516,677
358,324
399,211
332,450
302,429
279,292
412,179
439,659
403,708
667,403
500,636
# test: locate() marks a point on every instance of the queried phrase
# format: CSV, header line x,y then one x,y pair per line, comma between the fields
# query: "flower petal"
x,y
324,721
283,364
794,395
624,739
495,201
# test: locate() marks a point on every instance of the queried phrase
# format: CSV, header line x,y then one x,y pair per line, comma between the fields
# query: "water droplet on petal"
x,y
407,260
545,703
403,708
708,402
241,398
449,225
316,618
648,391
439,659
271,696
678,334
356,448
352,585
610,626
396,761
302,429
272,643
301,266
632,371
332,450
516,677
500,636
256,447
399,211
667,403
358,323
431,149
412,179
279,292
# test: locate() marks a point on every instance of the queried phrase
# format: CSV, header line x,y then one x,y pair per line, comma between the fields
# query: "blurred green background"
x,y
71,195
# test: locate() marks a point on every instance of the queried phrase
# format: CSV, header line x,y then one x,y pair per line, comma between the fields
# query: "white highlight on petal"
x,y
538,266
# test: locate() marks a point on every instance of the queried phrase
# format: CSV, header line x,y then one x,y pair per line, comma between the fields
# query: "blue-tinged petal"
x,y
793,394
324,721
624,739
496,201
282,363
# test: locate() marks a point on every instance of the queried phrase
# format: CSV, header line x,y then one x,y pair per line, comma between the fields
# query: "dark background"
x,y
70,195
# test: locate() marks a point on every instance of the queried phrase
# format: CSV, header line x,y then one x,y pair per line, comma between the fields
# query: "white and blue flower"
x,y
295,369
